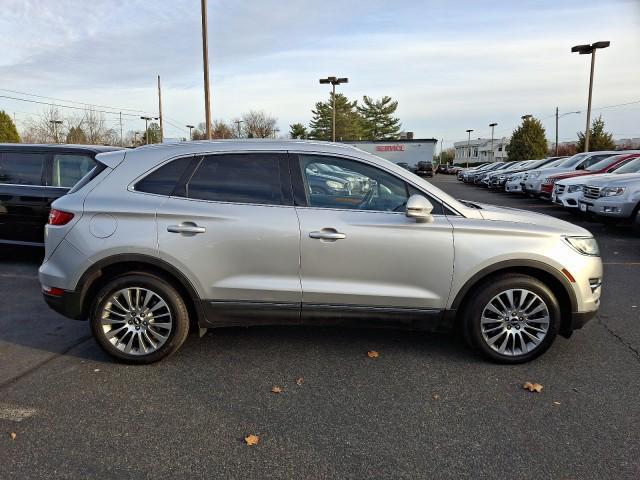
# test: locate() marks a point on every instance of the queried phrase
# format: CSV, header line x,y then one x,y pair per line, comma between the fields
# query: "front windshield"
x,y
571,161
632,167
602,164
555,163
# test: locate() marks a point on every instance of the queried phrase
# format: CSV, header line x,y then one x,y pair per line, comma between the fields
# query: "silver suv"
x,y
162,239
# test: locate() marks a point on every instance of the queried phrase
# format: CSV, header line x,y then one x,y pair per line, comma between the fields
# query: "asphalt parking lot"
x,y
425,408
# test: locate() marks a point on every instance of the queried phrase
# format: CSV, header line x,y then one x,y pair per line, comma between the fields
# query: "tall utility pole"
x,y
469,146
441,142
558,116
238,122
333,81
190,127
205,62
121,139
582,50
492,125
160,110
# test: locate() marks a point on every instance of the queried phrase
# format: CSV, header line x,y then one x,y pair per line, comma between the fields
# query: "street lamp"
x,y
205,68
55,128
492,125
190,127
146,127
469,146
238,122
557,117
582,50
333,81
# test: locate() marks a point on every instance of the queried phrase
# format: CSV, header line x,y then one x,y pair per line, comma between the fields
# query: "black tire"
x,y
635,222
173,299
490,288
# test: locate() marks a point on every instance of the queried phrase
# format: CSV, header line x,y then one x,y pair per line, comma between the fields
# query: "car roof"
x,y
58,146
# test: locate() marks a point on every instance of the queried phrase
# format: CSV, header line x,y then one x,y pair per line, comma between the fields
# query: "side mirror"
x,y
420,208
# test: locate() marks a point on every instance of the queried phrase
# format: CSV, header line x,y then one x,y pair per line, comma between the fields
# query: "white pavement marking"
x,y
15,414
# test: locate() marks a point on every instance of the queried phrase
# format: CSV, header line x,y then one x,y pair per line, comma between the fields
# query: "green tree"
x,y
598,138
153,132
347,119
298,130
76,135
378,122
446,156
8,130
528,141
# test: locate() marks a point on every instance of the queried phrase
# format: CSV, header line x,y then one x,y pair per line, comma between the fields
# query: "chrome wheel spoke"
x,y
136,321
514,332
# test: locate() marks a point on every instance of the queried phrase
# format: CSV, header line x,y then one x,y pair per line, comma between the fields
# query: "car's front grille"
x,y
591,192
559,189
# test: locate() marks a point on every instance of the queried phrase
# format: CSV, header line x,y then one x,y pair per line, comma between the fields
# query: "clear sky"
x,y
452,65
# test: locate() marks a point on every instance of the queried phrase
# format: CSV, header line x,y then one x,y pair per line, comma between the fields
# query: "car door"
x,y
232,226
21,201
359,249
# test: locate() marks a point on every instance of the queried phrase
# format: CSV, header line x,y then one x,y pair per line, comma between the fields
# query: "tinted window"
x,y
163,180
22,168
238,178
594,159
632,167
354,185
68,169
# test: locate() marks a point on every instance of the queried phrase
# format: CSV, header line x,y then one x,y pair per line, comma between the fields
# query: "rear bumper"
x,y
68,304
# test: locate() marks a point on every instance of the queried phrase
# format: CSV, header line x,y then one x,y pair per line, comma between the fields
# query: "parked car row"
x,y
603,184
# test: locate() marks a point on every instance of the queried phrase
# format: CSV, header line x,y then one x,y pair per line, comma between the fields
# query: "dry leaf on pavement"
x,y
252,439
435,396
299,381
556,403
13,435
533,387
373,354
276,389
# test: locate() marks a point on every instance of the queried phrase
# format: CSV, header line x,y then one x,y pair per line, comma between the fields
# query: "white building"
x,y
479,150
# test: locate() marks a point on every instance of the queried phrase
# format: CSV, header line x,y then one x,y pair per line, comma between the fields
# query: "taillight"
x,y
58,217
53,291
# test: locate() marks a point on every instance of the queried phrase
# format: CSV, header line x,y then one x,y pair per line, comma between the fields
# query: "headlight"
x,y
335,185
574,188
584,245
611,191
535,174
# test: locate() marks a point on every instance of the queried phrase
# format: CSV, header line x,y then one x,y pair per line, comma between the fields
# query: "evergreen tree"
x,y
528,141
598,138
347,120
298,130
76,135
8,131
378,122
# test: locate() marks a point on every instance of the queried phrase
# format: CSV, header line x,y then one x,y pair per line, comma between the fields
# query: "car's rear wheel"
x,y
513,318
139,318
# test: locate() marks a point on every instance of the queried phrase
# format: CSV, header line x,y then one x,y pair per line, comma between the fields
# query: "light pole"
x,y
55,129
190,127
557,117
469,146
582,50
205,62
238,122
146,127
492,125
333,81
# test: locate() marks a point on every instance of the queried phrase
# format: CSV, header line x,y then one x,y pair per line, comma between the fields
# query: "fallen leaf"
x,y
252,439
373,354
13,435
435,396
276,389
97,370
556,403
299,381
533,387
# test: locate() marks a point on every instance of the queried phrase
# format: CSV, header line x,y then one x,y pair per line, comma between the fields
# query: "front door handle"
x,y
186,227
328,234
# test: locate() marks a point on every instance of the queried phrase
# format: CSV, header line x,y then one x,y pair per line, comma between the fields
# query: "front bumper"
x,y
607,207
567,199
513,187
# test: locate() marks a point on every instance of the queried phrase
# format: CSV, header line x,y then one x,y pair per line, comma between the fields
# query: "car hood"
x,y
544,222
615,179
547,172
582,179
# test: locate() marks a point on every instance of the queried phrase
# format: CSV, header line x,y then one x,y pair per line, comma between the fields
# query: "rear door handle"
x,y
328,234
186,227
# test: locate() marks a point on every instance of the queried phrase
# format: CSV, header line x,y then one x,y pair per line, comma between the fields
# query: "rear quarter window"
x,y
165,179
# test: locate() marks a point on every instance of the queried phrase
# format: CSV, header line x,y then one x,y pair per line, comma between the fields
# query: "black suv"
x,y
33,176
425,169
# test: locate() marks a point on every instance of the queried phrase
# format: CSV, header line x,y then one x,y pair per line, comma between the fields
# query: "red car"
x,y
607,165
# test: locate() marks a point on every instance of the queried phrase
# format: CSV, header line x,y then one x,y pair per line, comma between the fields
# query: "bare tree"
x,y
258,124
43,129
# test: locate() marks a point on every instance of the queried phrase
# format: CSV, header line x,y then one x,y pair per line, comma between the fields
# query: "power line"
x,y
65,106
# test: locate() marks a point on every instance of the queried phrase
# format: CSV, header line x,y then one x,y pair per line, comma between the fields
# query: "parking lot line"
x,y
14,413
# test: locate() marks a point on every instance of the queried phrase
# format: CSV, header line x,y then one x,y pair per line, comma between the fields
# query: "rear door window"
x,y
237,178
22,168
68,169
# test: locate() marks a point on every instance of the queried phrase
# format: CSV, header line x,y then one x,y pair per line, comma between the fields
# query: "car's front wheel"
x,y
513,318
139,318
